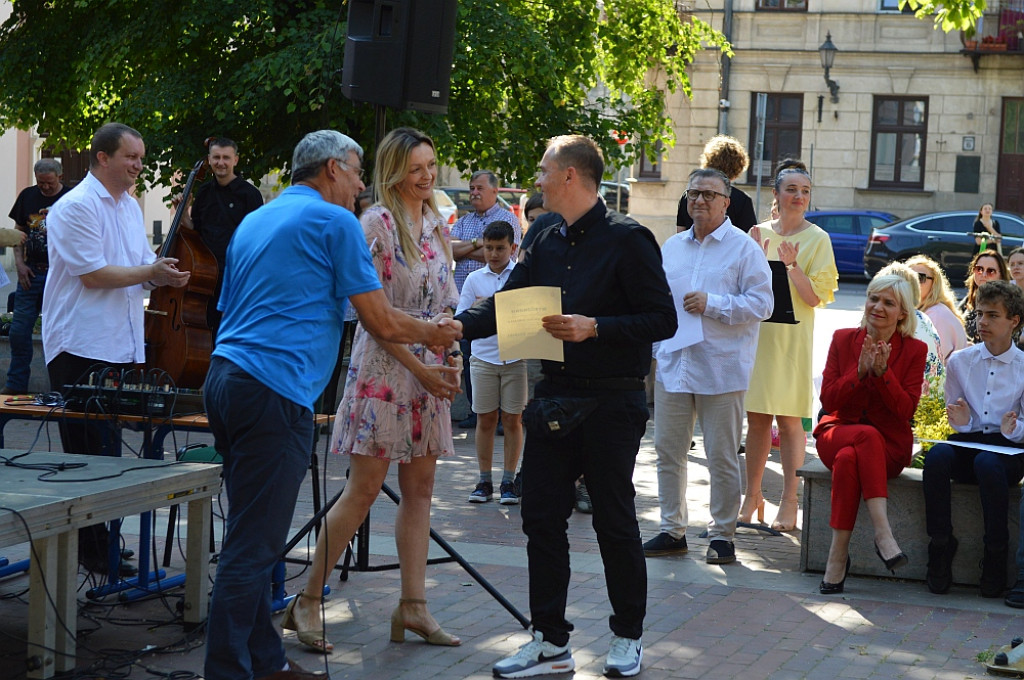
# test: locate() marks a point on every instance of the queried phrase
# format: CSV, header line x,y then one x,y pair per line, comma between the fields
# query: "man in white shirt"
x,y
721,283
100,262
984,404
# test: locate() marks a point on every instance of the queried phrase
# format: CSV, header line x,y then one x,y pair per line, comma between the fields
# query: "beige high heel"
x,y
745,518
314,639
399,626
786,519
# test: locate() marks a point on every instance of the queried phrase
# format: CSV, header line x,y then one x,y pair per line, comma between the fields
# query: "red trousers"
x,y
861,464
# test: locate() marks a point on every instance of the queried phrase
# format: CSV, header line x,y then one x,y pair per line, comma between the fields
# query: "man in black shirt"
x,y
30,258
218,209
616,302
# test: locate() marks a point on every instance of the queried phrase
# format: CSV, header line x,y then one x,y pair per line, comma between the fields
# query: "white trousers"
x,y
721,421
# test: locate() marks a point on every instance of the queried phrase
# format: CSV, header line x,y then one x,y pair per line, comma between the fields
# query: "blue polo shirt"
x,y
291,267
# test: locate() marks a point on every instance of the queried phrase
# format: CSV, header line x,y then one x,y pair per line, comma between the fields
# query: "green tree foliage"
x,y
949,15
265,72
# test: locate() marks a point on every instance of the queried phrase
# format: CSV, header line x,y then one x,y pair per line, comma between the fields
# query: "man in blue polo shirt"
x,y
290,268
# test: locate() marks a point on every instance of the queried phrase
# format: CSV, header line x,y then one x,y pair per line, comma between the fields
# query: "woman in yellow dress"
x,y
781,385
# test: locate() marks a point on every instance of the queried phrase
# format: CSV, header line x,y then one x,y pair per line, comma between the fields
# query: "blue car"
x,y
850,231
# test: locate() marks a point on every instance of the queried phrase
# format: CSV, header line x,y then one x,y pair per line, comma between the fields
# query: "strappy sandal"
x,y
399,626
313,639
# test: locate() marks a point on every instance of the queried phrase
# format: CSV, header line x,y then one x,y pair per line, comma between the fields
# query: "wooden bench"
x,y
906,515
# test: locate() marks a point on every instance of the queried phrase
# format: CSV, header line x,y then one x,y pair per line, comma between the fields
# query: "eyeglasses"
x,y
922,277
991,271
708,194
358,171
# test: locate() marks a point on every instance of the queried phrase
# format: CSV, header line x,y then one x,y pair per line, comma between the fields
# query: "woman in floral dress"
x,y
394,407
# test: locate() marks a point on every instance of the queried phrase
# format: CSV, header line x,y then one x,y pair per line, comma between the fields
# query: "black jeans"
x,y
89,437
603,448
994,473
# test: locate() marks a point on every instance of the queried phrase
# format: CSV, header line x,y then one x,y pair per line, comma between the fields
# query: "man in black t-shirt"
x,y
218,208
29,214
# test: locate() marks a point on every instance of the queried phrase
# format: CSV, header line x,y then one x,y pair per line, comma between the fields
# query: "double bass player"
x,y
100,264
218,209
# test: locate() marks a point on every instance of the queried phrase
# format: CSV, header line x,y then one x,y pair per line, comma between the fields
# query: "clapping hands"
x,y
874,357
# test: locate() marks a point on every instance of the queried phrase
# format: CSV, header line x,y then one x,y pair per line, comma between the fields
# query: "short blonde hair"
x,y
941,292
900,288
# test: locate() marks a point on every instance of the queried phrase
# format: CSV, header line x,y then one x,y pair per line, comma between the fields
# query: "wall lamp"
x,y
827,52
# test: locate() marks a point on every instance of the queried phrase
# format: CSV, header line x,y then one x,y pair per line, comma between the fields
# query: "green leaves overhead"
x,y
949,15
265,72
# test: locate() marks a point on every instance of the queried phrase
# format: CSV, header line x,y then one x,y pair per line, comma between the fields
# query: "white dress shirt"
x,y
731,268
483,283
87,230
991,385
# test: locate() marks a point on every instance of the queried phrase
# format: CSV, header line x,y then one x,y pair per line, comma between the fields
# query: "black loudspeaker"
x,y
399,53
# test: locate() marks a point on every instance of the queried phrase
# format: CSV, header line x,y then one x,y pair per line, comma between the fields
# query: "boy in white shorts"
x,y
499,387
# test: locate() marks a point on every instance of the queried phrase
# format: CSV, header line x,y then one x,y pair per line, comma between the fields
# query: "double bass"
x,y
179,339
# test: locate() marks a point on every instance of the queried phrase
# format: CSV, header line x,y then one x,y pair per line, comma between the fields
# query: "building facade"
x,y
915,120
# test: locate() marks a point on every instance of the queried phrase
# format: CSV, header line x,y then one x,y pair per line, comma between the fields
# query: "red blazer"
x,y
887,402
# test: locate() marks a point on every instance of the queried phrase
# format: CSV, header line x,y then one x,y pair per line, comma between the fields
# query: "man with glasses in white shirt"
x,y
721,281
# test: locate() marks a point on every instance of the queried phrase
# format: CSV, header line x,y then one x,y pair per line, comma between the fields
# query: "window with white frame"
x,y
899,135
783,129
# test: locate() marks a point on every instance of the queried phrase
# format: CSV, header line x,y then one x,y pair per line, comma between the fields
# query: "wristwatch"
x,y
791,266
474,243
595,328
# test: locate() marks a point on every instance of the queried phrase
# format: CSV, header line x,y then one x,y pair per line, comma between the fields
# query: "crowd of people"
x,y
725,307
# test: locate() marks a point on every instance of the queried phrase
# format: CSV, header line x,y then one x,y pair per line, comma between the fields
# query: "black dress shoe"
x,y
893,563
940,565
826,588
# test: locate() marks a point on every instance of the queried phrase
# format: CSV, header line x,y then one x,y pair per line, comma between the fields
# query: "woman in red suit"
x,y
869,392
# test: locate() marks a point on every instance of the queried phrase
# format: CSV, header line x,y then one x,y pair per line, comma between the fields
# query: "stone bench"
x,y
906,515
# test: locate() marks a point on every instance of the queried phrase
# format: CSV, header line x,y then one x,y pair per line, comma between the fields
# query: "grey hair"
x,y
45,166
317,148
492,179
712,173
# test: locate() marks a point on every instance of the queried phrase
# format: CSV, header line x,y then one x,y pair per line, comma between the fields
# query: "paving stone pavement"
x,y
756,618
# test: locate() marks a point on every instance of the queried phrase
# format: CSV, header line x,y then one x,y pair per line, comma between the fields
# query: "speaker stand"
x,y
362,554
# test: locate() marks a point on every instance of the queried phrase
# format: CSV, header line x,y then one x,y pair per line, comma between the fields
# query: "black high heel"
x,y
826,588
893,563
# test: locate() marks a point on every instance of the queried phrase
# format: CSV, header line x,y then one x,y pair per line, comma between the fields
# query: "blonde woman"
x,y
869,392
925,330
396,406
938,302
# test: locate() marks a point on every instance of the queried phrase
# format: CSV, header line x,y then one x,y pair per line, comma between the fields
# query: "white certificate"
x,y
690,329
995,448
521,333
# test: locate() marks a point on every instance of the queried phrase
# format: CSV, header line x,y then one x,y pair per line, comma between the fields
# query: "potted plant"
x,y
968,39
930,421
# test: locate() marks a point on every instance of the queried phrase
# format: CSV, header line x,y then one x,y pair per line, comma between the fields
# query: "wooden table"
x,y
50,511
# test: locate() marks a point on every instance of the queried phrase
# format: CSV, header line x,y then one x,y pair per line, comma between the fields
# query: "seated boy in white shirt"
x,y
498,386
984,403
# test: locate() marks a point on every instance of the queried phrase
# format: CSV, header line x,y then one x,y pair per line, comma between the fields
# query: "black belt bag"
x,y
556,417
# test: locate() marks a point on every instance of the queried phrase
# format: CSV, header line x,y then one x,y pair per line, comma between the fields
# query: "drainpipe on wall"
x,y
723,94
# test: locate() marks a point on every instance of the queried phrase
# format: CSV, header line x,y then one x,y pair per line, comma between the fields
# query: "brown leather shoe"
x,y
7,391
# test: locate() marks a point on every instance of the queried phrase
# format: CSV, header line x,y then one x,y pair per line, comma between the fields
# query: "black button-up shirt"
x,y
608,267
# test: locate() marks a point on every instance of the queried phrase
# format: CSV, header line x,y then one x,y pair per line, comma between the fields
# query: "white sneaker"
x,y
624,658
536,657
